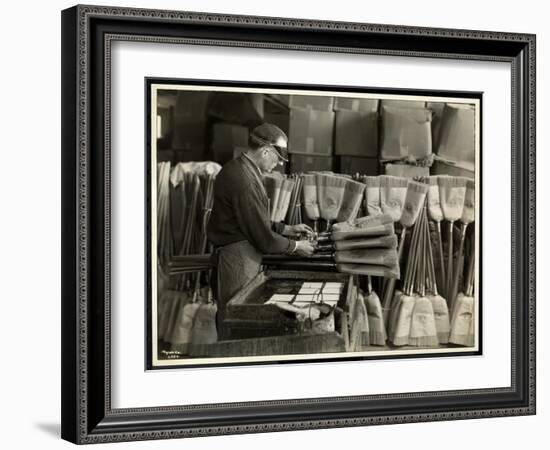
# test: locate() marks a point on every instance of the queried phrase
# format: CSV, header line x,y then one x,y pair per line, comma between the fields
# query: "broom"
x,y
414,199
283,200
353,194
423,330
368,269
360,232
359,329
462,321
376,256
372,195
436,214
330,193
468,213
272,184
377,330
395,307
403,304
439,304
373,242
295,206
363,222
451,194
393,191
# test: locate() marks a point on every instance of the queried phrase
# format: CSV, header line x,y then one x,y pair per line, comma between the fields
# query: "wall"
x,y
30,225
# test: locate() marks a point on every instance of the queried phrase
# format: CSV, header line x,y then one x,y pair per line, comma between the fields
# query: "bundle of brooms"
x,y
413,320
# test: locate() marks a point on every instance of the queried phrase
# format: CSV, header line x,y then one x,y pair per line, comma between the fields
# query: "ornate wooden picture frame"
x,y
88,414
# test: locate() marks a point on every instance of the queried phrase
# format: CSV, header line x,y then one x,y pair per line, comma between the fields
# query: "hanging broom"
x,y
372,195
393,191
330,194
462,317
423,332
414,199
468,214
309,200
272,184
353,194
377,330
451,193
359,330
439,304
403,304
436,214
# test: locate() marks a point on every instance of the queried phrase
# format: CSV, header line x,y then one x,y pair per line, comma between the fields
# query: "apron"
x,y
238,264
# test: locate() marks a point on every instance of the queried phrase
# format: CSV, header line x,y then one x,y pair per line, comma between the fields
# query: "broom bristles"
x,y
423,331
451,182
368,269
415,186
371,182
377,330
390,181
385,257
328,181
354,187
309,180
367,221
403,321
381,230
442,321
377,242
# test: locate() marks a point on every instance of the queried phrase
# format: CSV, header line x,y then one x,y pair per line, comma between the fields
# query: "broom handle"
x,y
449,260
431,265
468,286
411,257
471,276
369,284
420,258
441,257
454,288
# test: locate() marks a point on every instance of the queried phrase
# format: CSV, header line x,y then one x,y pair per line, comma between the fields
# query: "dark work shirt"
x,y
240,210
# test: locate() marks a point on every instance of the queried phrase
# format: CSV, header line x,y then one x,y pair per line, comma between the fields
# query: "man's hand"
x,y
304,248
297,230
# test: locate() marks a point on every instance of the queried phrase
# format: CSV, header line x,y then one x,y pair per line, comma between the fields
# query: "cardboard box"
x,y
437,113
317,102
226,135
457,139
311,132
189,134
356,133
364,166
402,103
406,170
405,133
356,104
305,163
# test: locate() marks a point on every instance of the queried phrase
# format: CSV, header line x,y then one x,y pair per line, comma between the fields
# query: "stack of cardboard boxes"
x,y
311,130
356,135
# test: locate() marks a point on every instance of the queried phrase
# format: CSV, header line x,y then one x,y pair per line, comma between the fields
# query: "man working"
x,y
239,225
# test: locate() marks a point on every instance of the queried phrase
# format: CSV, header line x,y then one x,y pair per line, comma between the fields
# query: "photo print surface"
x,y
299,223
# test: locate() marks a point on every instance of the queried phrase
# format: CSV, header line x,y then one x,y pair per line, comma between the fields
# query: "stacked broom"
x,y
185,198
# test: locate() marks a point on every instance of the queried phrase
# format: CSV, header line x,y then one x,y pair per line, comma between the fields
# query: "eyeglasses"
x,y
274,149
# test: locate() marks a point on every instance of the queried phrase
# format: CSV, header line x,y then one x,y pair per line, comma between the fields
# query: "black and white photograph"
x,y
277,220
297,223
